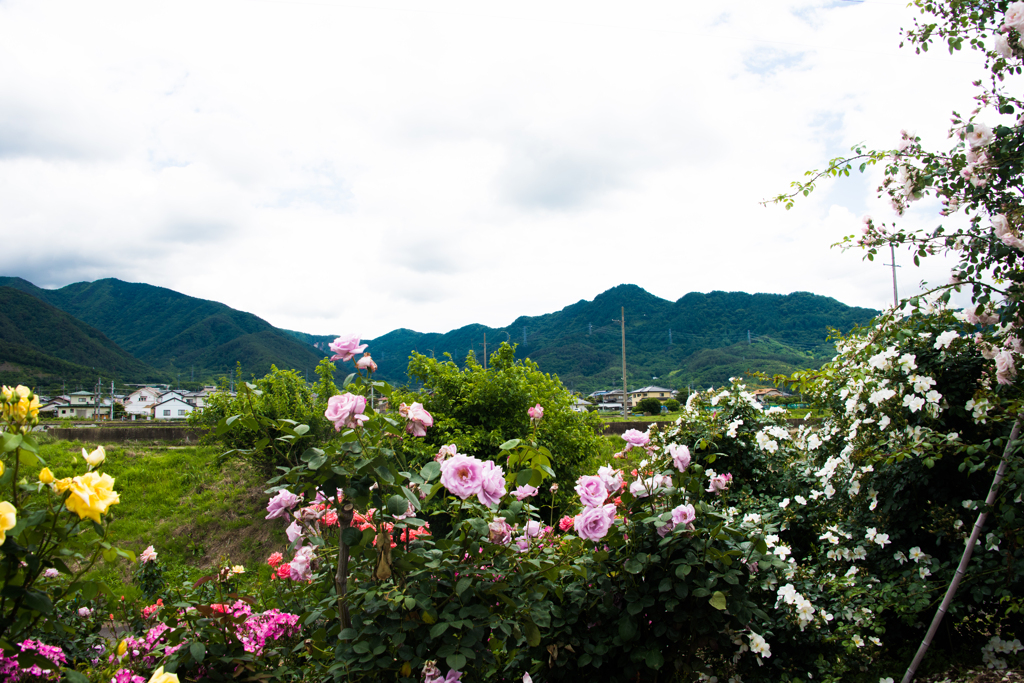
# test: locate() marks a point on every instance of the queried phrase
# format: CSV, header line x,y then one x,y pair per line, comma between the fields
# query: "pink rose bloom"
x,y
566,523
499,532
366,363
1005,370
492,484
665,529
346,347
635,438
525,492
462,475
1014,17
680,456
719,483
611,477
346,410
446,452
418,419
535,413
593,523
284,570
300,569
279,506
533,529
683,514
275,559
52,573
148,555
293,531
591,490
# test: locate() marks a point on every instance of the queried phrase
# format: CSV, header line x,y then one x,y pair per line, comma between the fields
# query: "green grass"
x,y
177,499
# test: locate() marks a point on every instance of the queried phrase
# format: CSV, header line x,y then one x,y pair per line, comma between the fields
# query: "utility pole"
x,y
111,400
748,337
892,254
590,329
625,394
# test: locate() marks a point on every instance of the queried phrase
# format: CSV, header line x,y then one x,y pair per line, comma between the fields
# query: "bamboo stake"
x,y
961,570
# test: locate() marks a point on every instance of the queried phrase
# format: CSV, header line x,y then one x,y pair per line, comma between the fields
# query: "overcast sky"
x,y
336,166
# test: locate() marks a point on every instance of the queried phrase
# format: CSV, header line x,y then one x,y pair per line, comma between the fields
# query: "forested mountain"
x,y
699,340
176,333
42,345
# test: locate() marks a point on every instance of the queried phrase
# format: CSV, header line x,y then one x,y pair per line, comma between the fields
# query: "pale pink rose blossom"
x,y
492,484
346,410
635,438
1014,17
418,419
346,347
980,135
293,532
683,514
366,363
499,532
148,555
591,490
1005,369
462,475
593,523
446,452
279,506
1002,47
611,477
524,492
536,413
719,483
300,564
680,456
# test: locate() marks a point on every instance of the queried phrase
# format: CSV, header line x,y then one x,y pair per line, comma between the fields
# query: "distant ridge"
x,y
699,340
173,332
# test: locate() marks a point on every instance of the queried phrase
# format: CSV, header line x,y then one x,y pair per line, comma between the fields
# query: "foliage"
x,y
651,406
478,410
672,405
261,406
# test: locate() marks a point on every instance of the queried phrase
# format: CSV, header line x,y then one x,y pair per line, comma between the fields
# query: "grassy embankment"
x,y
177,499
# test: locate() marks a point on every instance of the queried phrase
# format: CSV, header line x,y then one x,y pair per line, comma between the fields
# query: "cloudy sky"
x,y
337,166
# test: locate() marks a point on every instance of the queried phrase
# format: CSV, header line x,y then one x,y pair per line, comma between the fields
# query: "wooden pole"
x,y
341,576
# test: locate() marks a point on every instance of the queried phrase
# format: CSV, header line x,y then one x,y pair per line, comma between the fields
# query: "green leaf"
x,y
510,444
398,505
430,470
632,566
456,661
464,583
523,477
317,461
627,628
717,600
532,633
38,602
73,676
351,536
438,628
198,651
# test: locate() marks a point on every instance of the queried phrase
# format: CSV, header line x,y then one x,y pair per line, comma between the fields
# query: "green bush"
x,y
651,406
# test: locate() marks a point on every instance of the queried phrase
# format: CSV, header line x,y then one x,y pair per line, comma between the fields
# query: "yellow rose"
x,y
7,393
8,518
238,569
62,485
91,495
46,476
122,648
160,677
96,458
2,468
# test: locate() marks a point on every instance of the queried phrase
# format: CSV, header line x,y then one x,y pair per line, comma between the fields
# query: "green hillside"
x,y
699,340
40,346
175,332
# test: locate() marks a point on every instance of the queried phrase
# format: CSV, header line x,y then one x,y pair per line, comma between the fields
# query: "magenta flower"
x,y
593,523
418,419
525,492
492,484
591,490
566,523
279,506
346,410
680,456
462,475
719,483
635,438
536,413
346,347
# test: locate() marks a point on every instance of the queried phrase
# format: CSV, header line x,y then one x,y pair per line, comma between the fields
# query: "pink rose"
x,y
635,438
293,532
462,475
300,569
148,555
680,456
418,419
346,347
366,363
279,506
566,523
593,523
446,452
719,483
591,490
492,484
525,492
611,477
346,410
499,532
684,514
536,413
1005,370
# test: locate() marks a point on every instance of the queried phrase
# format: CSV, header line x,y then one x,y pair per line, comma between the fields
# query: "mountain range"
x,y
136,332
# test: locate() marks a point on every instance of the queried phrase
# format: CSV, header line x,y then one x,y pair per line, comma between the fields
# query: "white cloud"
x,y
335,167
